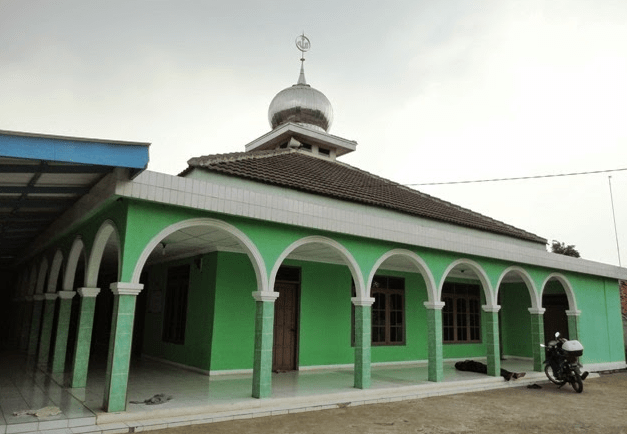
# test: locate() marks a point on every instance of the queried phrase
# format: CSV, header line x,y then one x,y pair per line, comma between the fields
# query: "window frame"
x,y
468,295
381,286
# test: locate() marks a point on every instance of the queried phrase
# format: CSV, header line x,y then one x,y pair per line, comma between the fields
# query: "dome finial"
x,y
301,103
303,44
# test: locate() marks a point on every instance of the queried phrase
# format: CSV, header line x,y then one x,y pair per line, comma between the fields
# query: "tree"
x,y
564,249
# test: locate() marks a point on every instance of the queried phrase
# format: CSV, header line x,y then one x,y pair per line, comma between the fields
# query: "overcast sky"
x,y
432,91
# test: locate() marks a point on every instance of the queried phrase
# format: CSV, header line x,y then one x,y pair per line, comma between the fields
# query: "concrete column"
x,y
264,335
120,340
573,324
46,328
434,329
537,337
363,340
82,345
35,324
492,339
63,326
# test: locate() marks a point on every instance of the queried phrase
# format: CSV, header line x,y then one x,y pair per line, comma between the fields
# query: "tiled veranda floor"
x,y
198,398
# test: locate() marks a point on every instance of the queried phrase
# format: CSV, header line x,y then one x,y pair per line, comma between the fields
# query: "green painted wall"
x,y
234,316
325,314
515,319
600,326
220,314
325,317
196,350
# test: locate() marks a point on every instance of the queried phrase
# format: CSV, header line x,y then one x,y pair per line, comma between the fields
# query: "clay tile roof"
x,y
299,170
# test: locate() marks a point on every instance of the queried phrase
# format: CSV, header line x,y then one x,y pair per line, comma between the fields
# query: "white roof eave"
x,y
285,131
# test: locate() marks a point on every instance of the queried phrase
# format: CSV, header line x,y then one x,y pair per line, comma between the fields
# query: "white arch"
x,y
251,250
32,280
568,289
41,276
481,274
536,301
106,230
77,249
348,258
417,261
53,277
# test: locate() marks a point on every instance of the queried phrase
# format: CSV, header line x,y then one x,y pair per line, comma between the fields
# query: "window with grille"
x,y
461,315
388,311
175,312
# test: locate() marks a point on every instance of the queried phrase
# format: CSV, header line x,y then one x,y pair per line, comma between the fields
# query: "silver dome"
x,y
301,104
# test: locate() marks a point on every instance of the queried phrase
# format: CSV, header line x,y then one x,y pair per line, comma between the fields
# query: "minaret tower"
x,y
300,117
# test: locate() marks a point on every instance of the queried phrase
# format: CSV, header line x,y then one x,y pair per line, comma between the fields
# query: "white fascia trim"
x,y
239,197
320,367
537,310
178,365
274,137
359,301
265,296
125,288
231,372
66,295
521,358
88,292
607,366
351,365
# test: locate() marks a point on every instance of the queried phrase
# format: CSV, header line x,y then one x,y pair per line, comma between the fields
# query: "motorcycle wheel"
x,y
577,383
549,374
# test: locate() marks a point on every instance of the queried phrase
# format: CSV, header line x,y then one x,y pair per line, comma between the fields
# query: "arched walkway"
x,y
462,316
388,301
249,247
107,234
562,315
321,293
520,320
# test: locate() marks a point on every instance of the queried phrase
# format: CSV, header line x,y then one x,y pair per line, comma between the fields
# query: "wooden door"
x,y
285,346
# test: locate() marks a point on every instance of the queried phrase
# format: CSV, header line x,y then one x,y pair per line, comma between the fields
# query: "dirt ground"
x,y
601,408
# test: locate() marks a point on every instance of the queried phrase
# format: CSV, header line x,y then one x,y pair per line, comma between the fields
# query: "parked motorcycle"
x,y
562,363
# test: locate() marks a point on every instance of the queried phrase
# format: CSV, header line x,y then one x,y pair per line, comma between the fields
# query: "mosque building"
x,y
274,259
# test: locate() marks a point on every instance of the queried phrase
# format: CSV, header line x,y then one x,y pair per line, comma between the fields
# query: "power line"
x,y
518,178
